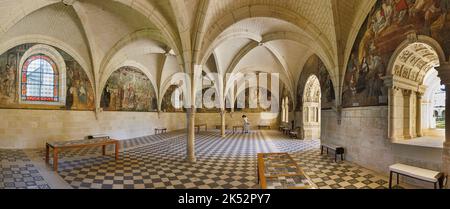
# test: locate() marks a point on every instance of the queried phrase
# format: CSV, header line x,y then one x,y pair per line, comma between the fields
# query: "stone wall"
x,y
363,132
213,119
32,128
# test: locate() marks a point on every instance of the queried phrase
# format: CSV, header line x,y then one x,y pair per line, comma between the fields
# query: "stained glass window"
x,y
39,79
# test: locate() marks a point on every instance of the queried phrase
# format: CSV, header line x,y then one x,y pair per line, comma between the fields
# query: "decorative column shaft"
x,y
222,127
407,124
419,114
391,109
190,152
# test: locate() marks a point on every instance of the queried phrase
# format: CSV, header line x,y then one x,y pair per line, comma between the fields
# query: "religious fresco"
x,y
129,89
315,66
386,27
80,94
257,95
167,105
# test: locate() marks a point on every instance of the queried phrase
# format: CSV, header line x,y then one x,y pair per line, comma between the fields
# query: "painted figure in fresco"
x,y
9,82
82,94
69,98
361,84
106,97
401,10
442,22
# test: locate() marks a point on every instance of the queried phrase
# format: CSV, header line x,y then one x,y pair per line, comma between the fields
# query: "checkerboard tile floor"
x,y
17,172
230,162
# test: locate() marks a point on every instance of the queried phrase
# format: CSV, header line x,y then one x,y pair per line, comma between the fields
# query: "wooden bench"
x,y
160,130
286,130
295,133
60,146
422,174
263,127
235,128
338,150
198,126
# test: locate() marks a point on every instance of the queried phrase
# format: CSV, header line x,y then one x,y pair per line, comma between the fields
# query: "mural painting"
x,y
129,89
80,94
386,27
257,95
315,66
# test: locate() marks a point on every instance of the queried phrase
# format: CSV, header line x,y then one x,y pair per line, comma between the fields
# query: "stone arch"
x,y
315,66
408,71
51,42
276,12
311,108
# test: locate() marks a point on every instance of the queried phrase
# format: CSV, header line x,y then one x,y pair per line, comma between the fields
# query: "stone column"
x,y
407,124
444,75
419,114
190,152
222,127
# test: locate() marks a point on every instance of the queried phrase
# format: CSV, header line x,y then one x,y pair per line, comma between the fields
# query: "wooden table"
x,y
264,126
280,171
198,126
59,146
235,128
160,130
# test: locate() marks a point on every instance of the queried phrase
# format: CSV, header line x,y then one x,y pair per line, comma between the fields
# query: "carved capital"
x,y
406,92
412,37
419,95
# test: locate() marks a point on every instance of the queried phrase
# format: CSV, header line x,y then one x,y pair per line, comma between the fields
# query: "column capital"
x,y
406,92
419,95
444,73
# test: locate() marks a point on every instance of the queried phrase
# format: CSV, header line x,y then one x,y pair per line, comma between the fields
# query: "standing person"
x,y
246,124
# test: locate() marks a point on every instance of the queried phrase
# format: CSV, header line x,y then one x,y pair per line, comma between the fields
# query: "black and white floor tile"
x,y
157,162
18,172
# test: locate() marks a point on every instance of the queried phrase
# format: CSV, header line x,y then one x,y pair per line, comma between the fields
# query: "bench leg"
x,y
321,150
104,149
335,157
390,180
117,150
398,179
435,185
55,159
47,153
342,156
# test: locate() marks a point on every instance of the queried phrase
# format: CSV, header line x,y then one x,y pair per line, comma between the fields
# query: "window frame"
x,y
59,66
24,79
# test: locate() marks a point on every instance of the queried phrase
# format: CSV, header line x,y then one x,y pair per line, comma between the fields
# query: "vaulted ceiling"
x,y
163,37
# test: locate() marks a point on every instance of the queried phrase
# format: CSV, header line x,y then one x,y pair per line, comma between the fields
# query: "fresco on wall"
x,y
386,27
167,105
257,95
129,89
80,94
315,66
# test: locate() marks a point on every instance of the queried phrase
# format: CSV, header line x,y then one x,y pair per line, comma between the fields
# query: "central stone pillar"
x,y
444,75
191,135
222,127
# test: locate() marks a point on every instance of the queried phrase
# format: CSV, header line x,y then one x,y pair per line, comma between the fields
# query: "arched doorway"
x,y
311,108
415,90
